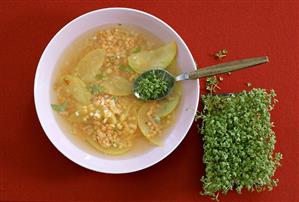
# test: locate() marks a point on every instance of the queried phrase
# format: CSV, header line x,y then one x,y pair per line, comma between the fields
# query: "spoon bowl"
x,y
169,79
160,73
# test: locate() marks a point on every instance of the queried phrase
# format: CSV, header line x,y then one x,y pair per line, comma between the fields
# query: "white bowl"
x,y
60,137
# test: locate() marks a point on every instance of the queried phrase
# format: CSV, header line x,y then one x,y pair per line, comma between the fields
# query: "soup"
x,y
93,88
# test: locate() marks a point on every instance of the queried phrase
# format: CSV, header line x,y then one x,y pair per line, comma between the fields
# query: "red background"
x,y
31,169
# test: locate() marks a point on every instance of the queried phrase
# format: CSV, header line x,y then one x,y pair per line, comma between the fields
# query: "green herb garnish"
x,y
212,84
221,54
59,107
125,68
238,142
112,58
100,76
95,89
157,119
136,50
152,86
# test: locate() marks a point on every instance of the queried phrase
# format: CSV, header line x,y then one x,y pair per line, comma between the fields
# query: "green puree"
x,y
152,86
238,142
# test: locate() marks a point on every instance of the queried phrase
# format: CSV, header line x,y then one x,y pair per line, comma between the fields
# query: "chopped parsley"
x,y
59,107
125,68
157,119
136,50
100,76
94,89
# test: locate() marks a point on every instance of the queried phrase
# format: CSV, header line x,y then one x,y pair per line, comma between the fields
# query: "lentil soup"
x,y
92,90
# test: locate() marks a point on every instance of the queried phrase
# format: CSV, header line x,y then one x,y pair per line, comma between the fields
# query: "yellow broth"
x,y
93,90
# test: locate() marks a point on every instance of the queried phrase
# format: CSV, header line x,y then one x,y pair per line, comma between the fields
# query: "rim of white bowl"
x,y
67,153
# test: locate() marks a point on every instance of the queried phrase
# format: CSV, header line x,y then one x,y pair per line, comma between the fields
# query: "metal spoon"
x,y
200,73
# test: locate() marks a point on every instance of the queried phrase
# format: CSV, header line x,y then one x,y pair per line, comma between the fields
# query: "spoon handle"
x,y
227,67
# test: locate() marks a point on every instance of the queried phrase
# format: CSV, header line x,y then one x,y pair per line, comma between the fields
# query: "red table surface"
x,y
31,169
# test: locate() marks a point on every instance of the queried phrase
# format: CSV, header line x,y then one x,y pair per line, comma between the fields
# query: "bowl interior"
x,y
84,155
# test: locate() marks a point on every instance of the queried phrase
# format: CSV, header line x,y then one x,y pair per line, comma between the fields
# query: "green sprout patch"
x,y
238,142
